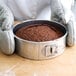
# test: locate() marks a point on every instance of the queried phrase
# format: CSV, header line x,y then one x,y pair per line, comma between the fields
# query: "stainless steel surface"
x,y
40,50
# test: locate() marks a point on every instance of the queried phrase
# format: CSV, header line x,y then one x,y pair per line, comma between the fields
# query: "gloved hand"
x,y
6,34
61,12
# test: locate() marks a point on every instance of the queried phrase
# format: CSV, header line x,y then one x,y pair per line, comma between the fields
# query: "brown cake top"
x,y
39,32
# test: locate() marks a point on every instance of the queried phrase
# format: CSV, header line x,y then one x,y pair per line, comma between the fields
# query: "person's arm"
x,y
6,33
61,12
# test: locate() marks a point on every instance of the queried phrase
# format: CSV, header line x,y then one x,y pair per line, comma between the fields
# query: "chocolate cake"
x,y
39,32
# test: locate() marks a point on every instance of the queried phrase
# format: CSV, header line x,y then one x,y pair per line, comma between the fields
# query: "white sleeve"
x,y
27,9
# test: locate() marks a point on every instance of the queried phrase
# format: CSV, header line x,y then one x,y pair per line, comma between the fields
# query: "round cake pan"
x,y
40,50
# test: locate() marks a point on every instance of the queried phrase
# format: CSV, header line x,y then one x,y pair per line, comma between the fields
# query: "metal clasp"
x,y
50,50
